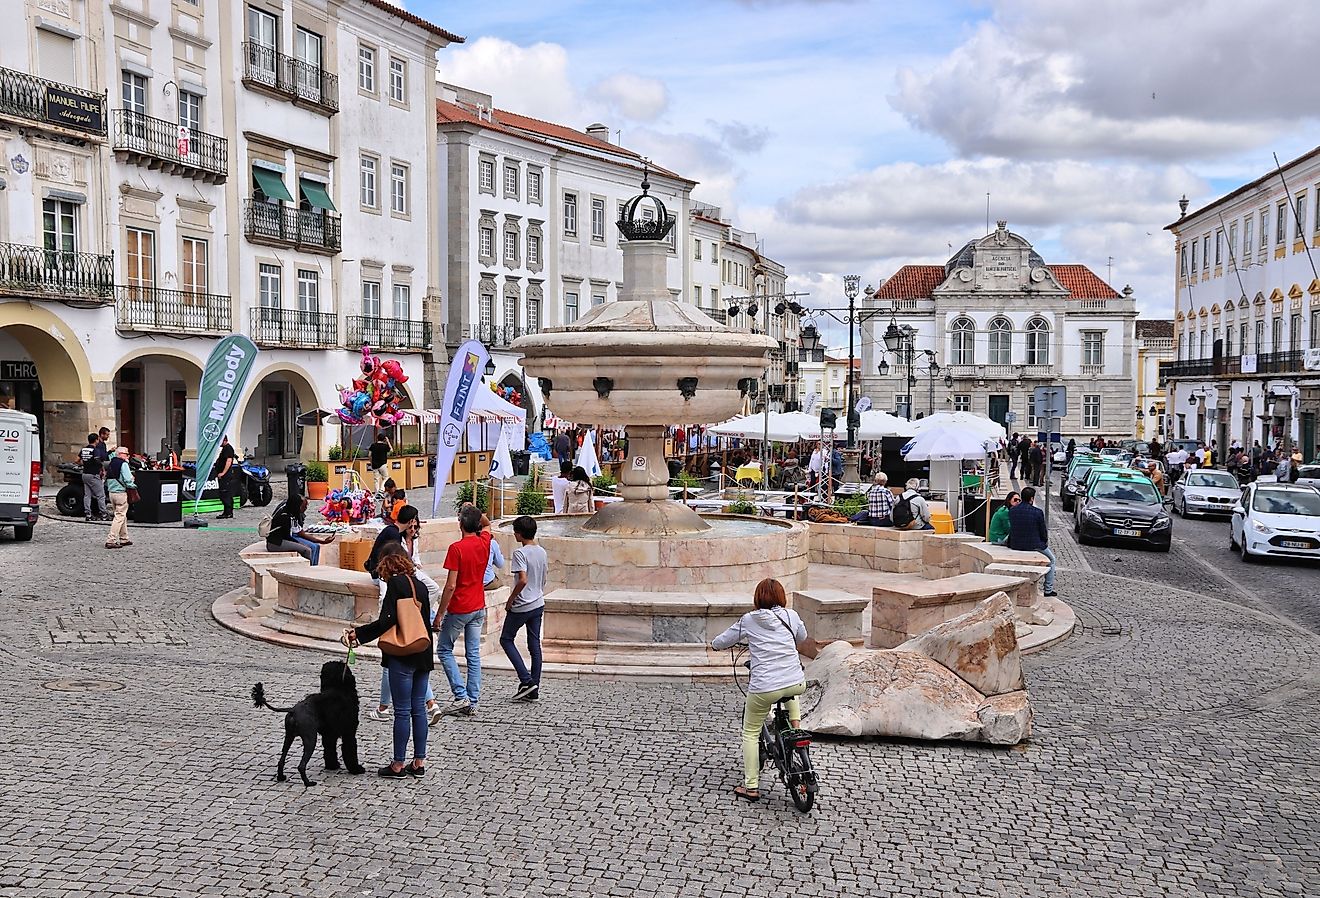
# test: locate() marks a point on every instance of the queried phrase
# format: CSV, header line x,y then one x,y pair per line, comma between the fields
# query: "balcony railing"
x,y
290,327
389,333
35,99
284,225
300,81
56,274
495,335
1291,361
154,310
159,144
1002,372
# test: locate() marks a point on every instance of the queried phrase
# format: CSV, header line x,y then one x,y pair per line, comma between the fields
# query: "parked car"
x,y
1123,505
1308,475
1136,447
1276,519
1074,481
1206,492
1188,445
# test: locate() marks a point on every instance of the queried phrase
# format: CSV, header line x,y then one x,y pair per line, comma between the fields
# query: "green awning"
x,y
316,195
271,184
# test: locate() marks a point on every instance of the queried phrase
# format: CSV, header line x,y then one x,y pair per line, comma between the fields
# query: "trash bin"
x,y
297,474
521,461
675,465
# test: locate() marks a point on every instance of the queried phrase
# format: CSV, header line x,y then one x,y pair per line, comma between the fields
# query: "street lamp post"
x,y
850,285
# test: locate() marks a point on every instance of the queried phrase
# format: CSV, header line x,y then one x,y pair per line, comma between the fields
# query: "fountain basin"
x,y
732,556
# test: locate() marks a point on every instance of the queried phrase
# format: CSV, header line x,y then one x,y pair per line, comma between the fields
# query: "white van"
x,y
20,472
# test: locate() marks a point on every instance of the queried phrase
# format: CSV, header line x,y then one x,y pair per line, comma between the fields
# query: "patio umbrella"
x,y
965,420
944,446
877,425
586,457
779,426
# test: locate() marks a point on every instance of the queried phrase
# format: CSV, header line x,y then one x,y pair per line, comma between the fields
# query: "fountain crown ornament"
x,y
633,223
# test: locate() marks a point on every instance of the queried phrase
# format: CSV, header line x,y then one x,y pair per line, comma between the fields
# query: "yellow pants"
x,y
754,714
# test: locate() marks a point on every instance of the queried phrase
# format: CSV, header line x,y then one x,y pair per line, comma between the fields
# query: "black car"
x,y
1123,505
1072,481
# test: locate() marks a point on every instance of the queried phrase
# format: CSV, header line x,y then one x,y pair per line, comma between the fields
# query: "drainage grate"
x,y
82,685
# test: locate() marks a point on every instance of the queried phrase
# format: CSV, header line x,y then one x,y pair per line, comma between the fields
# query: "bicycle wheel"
x,y
801,781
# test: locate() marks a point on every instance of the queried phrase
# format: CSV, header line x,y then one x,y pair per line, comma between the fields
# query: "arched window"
x,y
1001,342
964,341
1038,342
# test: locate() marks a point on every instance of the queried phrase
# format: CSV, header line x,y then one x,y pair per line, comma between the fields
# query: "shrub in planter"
x,y
317,472
603,483
466,494
530,499
740,505
336,453
849,505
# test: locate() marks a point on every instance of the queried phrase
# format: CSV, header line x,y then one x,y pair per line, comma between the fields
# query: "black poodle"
x,y
332,712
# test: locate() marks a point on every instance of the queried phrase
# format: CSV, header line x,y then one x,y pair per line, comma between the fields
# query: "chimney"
x,y
599,131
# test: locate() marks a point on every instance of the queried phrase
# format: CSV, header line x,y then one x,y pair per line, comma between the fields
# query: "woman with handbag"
x,y
406,654
122,489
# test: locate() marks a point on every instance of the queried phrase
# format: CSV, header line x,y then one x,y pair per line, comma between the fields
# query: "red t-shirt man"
x,y
468,557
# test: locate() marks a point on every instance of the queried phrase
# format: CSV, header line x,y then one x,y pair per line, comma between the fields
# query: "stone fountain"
x,y
645,582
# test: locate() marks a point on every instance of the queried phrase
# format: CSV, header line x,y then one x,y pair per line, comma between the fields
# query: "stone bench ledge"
x,y
833,601
328,579
664,603
258,552
945,589
989,553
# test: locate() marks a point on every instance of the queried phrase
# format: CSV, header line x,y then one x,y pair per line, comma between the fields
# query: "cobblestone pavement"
x,y
1174,756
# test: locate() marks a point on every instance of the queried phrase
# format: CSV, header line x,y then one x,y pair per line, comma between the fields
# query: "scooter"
x,y
252,484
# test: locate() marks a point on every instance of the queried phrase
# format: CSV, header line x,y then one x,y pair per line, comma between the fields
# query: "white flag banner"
x,y
586,457
501,465
464,381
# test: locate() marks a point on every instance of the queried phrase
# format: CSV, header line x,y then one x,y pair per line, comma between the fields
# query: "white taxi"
x,y
1276,519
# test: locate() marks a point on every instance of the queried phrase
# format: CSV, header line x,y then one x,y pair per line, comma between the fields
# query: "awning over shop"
x,y
315,193
271,184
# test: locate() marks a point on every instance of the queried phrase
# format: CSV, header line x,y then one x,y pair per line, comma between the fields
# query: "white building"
x,y
231,184
1154,348
1000,321
1247,313
529,239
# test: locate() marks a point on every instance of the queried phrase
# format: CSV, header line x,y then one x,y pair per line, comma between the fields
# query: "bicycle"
x,y
788,747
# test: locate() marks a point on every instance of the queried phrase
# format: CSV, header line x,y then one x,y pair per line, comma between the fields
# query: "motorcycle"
x,y
252,482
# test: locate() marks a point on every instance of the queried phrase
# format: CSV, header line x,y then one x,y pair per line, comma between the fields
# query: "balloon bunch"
x,y
374,396
347,506
508,394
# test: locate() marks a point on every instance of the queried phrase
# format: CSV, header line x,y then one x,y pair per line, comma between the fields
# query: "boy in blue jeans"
x,y
526,607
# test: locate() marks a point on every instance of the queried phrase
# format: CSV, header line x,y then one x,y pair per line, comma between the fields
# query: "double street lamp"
x,y
902,342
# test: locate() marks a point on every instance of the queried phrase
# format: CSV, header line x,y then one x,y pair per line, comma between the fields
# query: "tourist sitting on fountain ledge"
x,y
879,508
912,511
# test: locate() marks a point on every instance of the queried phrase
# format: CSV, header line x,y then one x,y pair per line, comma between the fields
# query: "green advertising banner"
x,y
223,381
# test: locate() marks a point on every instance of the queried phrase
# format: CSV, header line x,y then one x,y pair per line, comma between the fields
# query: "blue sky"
x,y
855,136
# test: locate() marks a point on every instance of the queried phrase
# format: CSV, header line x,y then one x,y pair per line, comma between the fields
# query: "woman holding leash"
x,y
405,596
774,635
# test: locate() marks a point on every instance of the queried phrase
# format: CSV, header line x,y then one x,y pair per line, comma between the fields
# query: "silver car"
x,y
1206,492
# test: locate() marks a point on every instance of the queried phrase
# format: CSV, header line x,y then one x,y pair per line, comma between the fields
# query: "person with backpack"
x,y
911,511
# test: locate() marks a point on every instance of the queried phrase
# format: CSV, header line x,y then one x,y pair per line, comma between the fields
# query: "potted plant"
x,y
849,505
477,494
318,480
603,483
336,453
740,505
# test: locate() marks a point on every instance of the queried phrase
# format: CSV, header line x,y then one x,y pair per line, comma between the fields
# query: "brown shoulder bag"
x,y
409,634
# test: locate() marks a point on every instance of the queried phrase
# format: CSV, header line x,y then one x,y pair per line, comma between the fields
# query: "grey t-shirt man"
x,y
532,560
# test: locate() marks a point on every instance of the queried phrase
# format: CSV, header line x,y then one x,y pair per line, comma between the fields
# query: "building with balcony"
x,y
1246,324
180,171
529,237
1000,322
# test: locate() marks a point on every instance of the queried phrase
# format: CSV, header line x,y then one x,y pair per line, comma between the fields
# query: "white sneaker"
x,y
458,706
434,712
378,714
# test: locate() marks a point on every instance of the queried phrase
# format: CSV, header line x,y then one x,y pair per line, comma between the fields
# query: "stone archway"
x,y
57,386
265,420
155,391
513,379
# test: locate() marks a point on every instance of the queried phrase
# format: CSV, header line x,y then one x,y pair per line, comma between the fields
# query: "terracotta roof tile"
x,y
416,20
1082,282
1155,328
912,282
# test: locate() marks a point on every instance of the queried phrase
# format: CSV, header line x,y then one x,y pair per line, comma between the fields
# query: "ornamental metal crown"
x,y
634,224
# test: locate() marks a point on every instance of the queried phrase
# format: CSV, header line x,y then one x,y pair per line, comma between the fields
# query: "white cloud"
x,y
632,96
530,80
1160,81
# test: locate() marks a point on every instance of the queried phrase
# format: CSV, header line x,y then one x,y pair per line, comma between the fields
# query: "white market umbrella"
x,y
978,424
877,425
948,443
778,426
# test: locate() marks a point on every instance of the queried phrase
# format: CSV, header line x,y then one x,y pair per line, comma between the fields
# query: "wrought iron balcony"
x,y
154,310
494,335
394,334
290,327
75,278
280,224
302,82
68,108
162,145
